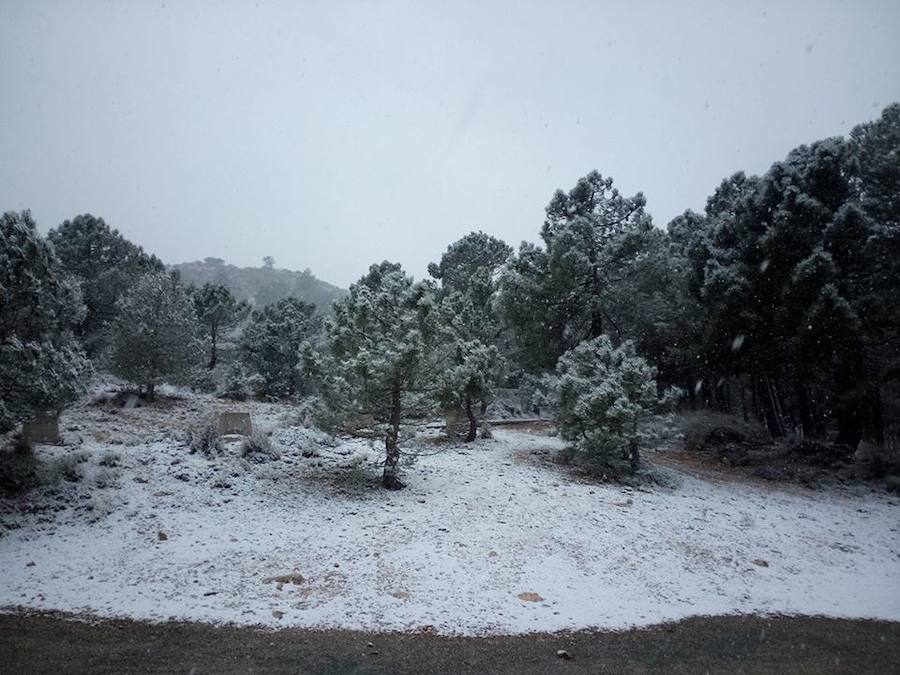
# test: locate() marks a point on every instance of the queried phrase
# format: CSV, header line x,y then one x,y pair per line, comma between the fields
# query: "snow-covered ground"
x,y
487,538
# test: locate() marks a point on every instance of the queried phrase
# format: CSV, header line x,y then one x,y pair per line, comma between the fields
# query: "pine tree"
x,y
599,395
217,311
381,337
156,336
271,343
470,363
42,366
106,265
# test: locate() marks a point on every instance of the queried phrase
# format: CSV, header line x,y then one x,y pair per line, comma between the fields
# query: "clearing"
x,y
489,538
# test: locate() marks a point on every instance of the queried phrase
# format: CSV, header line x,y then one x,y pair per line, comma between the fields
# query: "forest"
x,y
777,303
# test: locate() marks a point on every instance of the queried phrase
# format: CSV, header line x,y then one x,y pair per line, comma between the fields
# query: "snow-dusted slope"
x,y
484,540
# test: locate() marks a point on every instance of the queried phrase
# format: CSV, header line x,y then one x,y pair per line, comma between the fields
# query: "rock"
x,y
277,613
162,536
30,564
528,596
759,562
293,578
563,654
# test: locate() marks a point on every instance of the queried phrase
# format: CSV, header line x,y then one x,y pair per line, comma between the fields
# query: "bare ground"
x,y
49,643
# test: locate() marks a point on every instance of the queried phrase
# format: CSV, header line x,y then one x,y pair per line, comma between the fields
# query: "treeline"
x,y
778,302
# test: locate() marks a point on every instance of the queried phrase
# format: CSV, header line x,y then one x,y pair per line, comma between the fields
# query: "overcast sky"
x,y
333,135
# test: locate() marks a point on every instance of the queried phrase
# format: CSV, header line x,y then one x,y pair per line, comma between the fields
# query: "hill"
x,y
260,285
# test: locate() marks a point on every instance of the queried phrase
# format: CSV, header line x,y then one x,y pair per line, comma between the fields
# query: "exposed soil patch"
x,y
736,450
53,644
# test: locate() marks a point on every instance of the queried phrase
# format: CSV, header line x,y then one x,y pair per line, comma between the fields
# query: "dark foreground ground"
x,y
52,644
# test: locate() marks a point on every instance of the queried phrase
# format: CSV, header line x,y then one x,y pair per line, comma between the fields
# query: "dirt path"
x,y
54,644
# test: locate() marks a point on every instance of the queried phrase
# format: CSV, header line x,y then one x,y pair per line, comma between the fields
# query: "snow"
x,y
478,526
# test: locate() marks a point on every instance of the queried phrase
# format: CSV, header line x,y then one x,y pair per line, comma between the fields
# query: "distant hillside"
x,y
260,285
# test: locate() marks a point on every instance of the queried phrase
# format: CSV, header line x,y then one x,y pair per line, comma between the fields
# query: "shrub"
x,y
204,439
236,385
258,448
17,471
110,458
106,477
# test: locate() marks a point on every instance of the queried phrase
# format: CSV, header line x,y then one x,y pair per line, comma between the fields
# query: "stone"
x,y
43,428
282,579
530,597
235,423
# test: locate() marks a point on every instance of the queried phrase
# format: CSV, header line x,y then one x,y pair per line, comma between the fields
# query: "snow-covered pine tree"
x,y
470,363
599,395
597,273
156,336
106,265
468,377
41,363
381,336
270,346
217,311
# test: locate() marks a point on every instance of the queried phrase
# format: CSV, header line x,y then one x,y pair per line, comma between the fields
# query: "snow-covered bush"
x,y
258,448
110,458
106,477
204,438
203,379
599,395
65,468
236,385
99,506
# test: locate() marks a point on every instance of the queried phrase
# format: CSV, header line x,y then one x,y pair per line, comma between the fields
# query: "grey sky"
x,y
333,135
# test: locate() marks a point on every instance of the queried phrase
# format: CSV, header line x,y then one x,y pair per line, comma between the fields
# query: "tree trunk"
x,y
634,454
876,415
214,355
596,329
850,430
804,410
770,411
473,423
151,391
744,412
389,478
850,405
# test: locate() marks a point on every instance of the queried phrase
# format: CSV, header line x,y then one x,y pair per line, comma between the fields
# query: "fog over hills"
x,y
260,285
